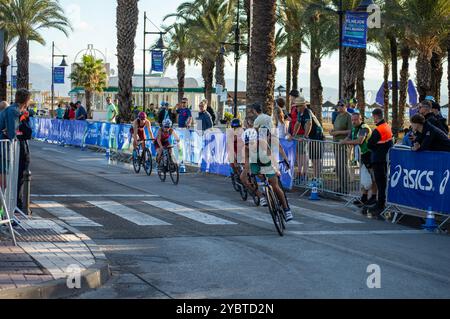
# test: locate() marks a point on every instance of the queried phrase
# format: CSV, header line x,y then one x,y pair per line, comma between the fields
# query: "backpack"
x,y
316,129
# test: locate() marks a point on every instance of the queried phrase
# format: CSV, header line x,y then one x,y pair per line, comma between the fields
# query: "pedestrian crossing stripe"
x,y
324,216
67,215
128,213
242,211
189,213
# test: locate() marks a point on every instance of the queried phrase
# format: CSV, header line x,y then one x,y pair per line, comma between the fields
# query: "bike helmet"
x,y
167,123
142,116
250,135
236,123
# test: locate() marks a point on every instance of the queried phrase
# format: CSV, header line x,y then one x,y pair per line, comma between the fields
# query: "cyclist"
x,y
163,139
257,167
138,130
236,125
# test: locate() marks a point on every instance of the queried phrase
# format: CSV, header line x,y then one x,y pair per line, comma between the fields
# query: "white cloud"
x,y
73,11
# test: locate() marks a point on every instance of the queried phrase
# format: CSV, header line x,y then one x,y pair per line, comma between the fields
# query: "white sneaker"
x,y
263,202
289,215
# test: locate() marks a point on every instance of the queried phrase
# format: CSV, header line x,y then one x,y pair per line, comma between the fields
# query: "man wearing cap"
x,y
429,137
184,115
380,143
425,109
80,114
436,109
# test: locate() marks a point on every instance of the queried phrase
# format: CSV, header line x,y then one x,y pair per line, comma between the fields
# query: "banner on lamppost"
x,y
14,82
58,75
157,61
355,30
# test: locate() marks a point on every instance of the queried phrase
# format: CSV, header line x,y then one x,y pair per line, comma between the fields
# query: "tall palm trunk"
x,y
23,60
386,91
208,76
350,64
316,90
404,78
296,56
288,82
448,67
4,77
423,67
127,20
437,71
360,77
220,79
89,96
394,64
261,67
181,75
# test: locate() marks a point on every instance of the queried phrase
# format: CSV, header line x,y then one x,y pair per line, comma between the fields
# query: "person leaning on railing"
x,y
428,137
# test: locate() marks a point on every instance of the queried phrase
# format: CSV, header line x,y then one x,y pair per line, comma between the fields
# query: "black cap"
x,y
378,112
436,106
295,93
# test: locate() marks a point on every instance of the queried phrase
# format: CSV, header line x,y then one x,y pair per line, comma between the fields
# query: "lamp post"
x,y
159,45
63,64
280,90
237,56
12,76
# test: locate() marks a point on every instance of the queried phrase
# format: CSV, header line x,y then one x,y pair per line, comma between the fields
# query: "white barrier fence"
x,y
328,166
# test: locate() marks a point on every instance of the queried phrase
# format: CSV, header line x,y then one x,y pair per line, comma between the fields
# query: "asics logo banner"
x,y
444,182
414,179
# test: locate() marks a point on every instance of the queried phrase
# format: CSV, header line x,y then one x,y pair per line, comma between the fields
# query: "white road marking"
x,y
190,213
324,216
67,215
93,195
242,211
357,232
128,213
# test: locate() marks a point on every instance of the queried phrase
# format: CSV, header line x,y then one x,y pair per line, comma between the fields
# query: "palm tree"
x,y
321,33
127,21
91,75
437,71
261,66
405,53
425,28
382,53
26,18
178,51
9,40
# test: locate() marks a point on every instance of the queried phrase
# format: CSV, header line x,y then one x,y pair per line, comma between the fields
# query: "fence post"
x,y
26,193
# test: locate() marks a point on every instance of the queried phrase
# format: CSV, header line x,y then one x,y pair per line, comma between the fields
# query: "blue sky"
x,y
94,23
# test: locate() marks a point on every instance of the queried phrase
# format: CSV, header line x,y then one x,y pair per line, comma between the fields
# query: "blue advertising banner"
x,y
355,30
287,177
214,154
157,61
58,75
420,180
14,81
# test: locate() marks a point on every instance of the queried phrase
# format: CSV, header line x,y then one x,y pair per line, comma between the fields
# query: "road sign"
x,y
355,30
58,75
157,61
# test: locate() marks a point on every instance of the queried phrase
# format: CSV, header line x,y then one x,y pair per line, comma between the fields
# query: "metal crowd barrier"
x,y
9,174
328,166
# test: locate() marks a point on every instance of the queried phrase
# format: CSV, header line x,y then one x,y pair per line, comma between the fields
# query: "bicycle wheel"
x,y
148,162
174,172
234,182
274,211
256,200
136,162
244,193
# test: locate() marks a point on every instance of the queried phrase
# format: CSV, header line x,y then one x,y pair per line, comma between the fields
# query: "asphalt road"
x,y
200,240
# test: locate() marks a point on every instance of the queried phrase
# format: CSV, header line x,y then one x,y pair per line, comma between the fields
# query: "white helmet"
x,y
250,135
167,123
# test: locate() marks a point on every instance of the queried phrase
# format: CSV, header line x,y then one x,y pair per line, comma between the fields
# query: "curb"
x,y
92,278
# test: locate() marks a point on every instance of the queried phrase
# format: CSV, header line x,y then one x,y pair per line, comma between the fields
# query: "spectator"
x,y
204,120
164,114
80,114
352,105
3,106
425,109
263,120
184,115
359,137
342,127
293,114
151,113
112,112
380,143
67,111
210,110
72,112
335,113
280,116
429,137
60,112
24,134
407,139
436,109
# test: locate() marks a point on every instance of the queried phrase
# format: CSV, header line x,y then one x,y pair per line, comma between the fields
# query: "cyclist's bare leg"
x,y
278,191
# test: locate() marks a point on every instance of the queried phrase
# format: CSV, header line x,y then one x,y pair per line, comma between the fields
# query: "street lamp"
x,y
12,71
237,57
281,89
159,45
63,64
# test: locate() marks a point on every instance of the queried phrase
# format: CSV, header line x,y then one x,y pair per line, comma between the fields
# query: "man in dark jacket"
x,y
428,136
204,121
24,134
437,112
379,144
426,109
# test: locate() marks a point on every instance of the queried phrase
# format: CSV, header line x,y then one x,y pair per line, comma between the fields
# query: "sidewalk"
x,y
48,252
